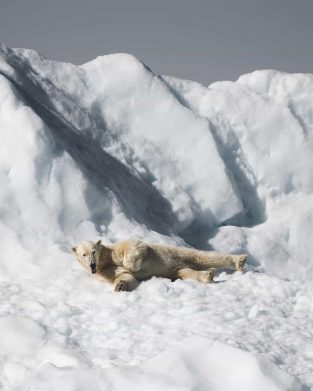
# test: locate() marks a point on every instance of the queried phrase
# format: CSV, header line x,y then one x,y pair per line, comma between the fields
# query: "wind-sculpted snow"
x,y
108,150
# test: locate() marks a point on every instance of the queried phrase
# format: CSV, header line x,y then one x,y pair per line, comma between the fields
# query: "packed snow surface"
x,y
108,150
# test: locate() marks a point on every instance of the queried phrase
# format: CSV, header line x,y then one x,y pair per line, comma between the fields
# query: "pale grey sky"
x,y
203,40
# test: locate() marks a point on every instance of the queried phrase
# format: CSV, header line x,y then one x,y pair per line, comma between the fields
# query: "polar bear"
x,y
127,263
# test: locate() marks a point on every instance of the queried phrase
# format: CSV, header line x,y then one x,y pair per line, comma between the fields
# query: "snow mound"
x,y
196,364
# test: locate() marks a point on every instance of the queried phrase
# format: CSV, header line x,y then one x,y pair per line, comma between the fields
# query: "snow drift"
x,y
110,150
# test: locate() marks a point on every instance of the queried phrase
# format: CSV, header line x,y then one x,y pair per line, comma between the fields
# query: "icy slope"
x,y
117,104
109,150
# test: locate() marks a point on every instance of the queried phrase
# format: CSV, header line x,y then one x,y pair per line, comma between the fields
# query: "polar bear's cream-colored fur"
x,y
126,263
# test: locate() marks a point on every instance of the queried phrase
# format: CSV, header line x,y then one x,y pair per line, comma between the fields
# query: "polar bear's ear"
x,y
98,242
74,249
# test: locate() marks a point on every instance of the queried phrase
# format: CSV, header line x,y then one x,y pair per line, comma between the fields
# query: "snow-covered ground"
x,y
109,150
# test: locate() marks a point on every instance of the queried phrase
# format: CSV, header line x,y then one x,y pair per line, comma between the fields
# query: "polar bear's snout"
x,y
93,263
88,254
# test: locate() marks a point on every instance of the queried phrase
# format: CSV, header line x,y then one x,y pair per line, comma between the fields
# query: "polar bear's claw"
x,y
241,263
120,286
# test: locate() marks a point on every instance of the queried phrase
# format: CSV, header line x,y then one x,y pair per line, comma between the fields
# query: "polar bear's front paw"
x,y
120,286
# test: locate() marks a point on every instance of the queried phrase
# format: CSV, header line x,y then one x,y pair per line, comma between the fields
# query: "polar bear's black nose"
x,y
93,268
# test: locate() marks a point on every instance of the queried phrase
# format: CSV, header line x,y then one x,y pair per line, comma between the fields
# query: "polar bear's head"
x,y
88,254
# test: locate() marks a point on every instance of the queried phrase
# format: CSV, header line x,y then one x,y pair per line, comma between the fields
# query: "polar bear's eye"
x,y
84,255
93,252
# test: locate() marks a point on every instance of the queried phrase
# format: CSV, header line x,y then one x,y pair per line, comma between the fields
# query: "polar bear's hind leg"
x,y
240,262
204,276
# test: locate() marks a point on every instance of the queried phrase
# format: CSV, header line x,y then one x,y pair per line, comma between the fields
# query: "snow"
x,y
108,150
19,336
199,363
266,141
88,327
